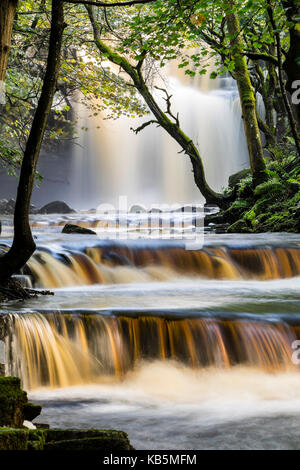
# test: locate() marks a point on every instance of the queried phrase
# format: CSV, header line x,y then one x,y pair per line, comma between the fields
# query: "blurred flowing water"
x,y
183,347
110,160
186,349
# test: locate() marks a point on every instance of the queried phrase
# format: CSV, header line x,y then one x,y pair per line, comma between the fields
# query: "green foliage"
x,y
273,206
271,187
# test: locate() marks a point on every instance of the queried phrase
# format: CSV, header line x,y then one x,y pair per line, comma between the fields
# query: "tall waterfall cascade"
x,y
111,161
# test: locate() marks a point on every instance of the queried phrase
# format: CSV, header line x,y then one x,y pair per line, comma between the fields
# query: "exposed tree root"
x,y
12,289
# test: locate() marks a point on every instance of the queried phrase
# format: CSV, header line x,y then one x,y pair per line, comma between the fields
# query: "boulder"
x,y
63,439
56,207
71,228
13,439
31,411
89,439
12,402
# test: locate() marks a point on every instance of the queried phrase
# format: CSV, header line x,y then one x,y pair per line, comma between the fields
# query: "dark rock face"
x,y
56,207
70,228
31,411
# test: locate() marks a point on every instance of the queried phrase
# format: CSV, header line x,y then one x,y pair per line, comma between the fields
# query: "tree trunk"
x,y
23,244
292,63
162,119
287,104
7,14
248,101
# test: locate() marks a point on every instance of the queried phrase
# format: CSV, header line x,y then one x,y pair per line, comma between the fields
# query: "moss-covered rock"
x,y
104,443
12,401
63,439
13,439
86,439
36,439
71,228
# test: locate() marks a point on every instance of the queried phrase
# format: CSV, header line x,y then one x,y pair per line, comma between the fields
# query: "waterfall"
x,y
59,350
111,161
113,263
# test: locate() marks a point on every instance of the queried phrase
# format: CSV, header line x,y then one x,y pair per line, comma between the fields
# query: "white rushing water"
x,y
168,406
111,161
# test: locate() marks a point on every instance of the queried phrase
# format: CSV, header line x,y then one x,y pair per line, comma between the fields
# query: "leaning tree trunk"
x,y
247,97
161,118
7,14
23,244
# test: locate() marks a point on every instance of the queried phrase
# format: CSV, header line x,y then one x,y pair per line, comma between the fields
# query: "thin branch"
x,y
146,124
168,102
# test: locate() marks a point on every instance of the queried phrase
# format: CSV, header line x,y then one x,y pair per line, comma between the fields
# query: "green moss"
x,y
12,401
104,443
63,439
36,439
13,439
86,439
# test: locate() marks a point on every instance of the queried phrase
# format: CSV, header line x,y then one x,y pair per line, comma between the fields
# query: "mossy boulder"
x,y
71,228
13,439
36,439
63,439
86,439
12,401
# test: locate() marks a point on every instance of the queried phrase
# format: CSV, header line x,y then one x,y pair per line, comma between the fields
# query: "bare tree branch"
x,y
146,124
168,102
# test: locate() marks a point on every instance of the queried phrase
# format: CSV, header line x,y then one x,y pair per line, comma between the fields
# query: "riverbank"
x,y
273,206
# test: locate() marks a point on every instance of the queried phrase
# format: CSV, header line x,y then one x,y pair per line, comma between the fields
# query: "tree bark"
x,y
247,98
7,14
287,104
292,63
161,118
23,244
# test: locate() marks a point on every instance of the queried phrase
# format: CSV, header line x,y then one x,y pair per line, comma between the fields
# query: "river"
x,y
181,348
